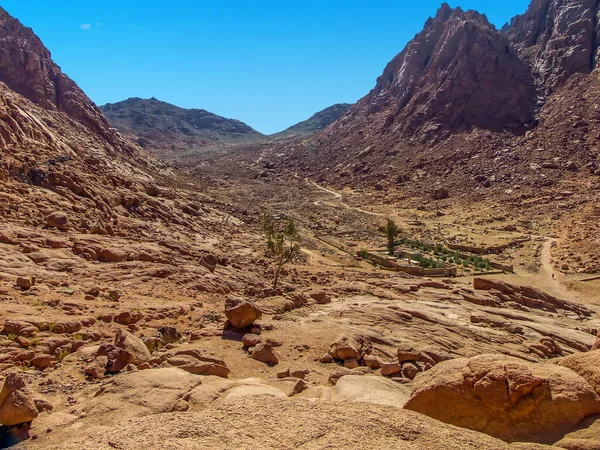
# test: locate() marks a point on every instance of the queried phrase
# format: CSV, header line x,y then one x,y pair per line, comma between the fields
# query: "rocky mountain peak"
x,y
458,73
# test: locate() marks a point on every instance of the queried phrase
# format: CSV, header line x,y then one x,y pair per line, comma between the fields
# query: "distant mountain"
x,y
316,122
160,126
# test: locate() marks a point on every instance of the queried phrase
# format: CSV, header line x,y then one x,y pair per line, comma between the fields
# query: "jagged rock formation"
x,y
316,122
26,67
558,38
161,127
459,73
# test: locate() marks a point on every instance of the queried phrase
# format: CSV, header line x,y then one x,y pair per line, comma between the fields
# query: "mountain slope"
x,y
461,88
316,122
160,126
78,201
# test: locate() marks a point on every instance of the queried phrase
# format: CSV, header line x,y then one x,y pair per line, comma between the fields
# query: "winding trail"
x,y
338,196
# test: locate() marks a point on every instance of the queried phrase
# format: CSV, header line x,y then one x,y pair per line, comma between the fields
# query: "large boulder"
x,y
587,365
351,345
505,397
58,220
241,313
16,404
135,394
132,344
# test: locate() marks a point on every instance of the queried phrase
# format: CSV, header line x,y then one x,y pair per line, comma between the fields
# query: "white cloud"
x,y
85,26
98,24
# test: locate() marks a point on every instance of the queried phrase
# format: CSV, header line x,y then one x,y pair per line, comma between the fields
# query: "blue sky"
x,y
269,63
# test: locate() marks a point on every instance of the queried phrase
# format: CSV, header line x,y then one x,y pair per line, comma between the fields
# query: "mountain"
x,y
316,122
160,126
461,89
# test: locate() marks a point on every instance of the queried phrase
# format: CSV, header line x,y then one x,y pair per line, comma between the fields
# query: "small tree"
x,y
282,242
391,230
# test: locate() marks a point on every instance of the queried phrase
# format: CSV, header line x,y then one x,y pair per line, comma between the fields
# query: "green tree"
x,y
282,242
391,230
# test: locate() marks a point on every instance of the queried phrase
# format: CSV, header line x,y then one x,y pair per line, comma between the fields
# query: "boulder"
x,y
16,404
505,397
369,389
25,282
441,194
118,358
250,340
140,393
351,345
410,370
372,362
241,313
193,361
596,345
264,353
132,344
390,369
42,361
58,220
586,365
320,297
97,368
19,328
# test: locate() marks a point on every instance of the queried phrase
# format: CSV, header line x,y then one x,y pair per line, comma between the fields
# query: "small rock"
x,y
284,374
326,359
390,369
264,353
351,363
250,340
372,362
25,282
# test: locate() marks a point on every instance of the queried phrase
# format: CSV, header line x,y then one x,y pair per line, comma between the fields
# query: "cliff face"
x,y
458,73
557,38
26,67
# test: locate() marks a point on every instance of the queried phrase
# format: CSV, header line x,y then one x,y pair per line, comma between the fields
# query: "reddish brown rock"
x,y
16,404
241,313
350,345
505,397
265,353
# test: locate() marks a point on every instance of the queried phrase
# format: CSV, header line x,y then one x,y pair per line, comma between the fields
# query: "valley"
x,y
139,298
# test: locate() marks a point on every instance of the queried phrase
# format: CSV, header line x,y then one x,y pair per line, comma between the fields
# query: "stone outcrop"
x,y
16,404
586,364
505,397
558,38
351,345
529,296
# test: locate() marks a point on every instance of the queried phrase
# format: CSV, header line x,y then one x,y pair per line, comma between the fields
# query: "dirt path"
x,y
555,284
338,196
